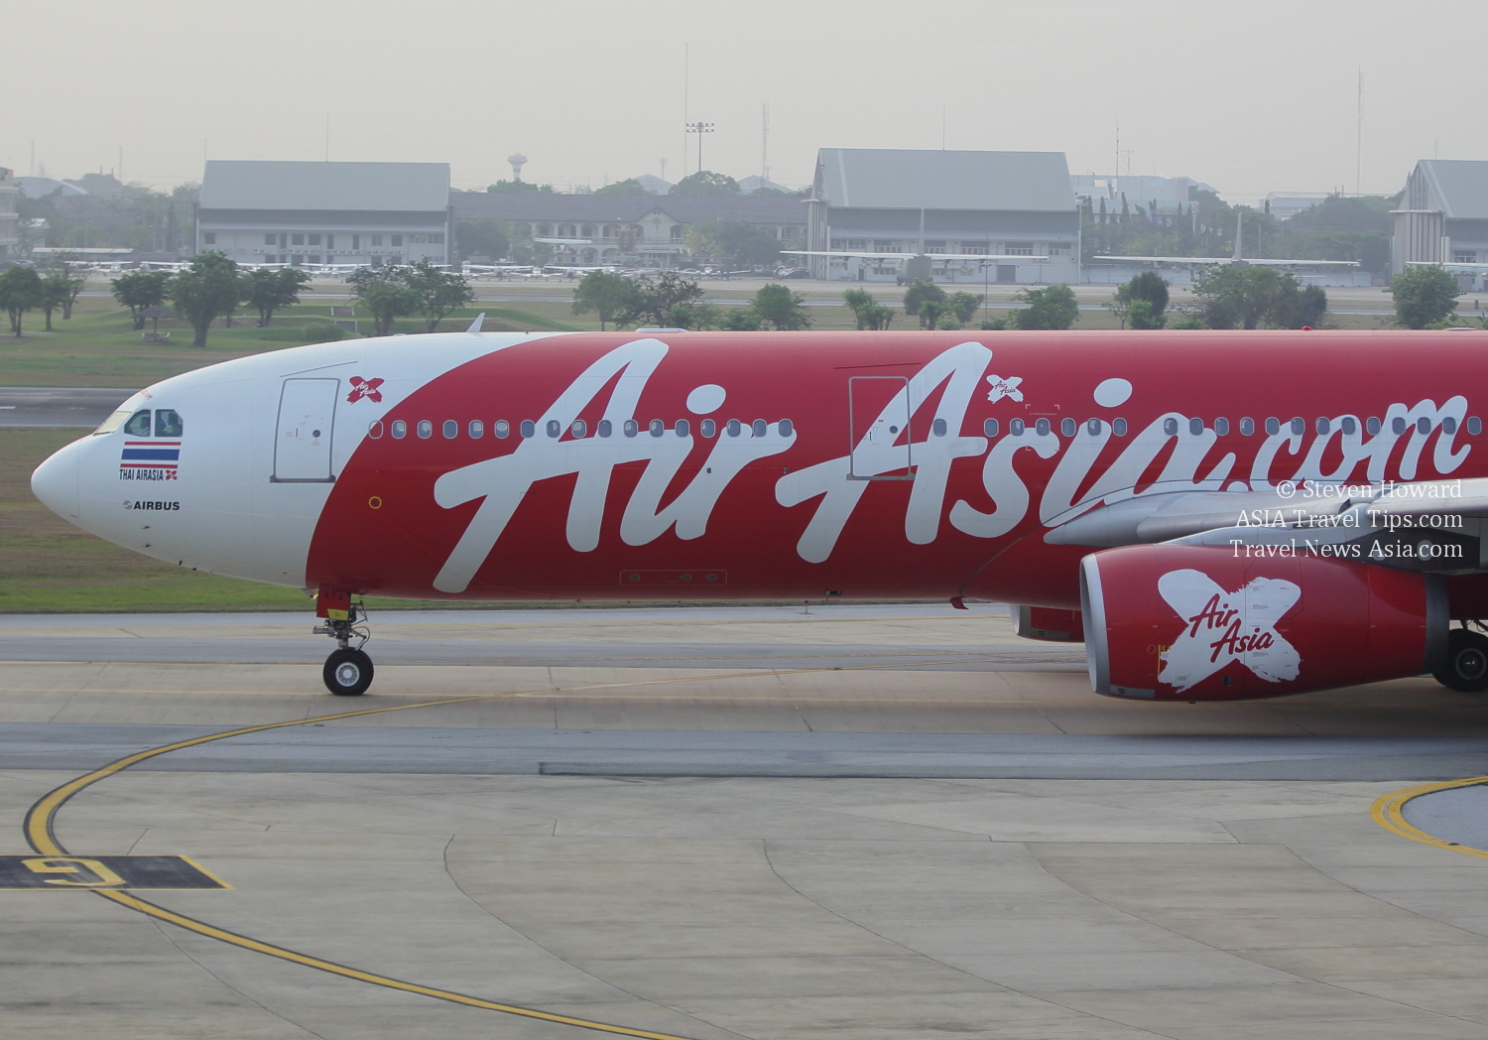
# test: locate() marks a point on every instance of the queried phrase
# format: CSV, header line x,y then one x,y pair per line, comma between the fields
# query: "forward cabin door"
x,y
878,417
302,444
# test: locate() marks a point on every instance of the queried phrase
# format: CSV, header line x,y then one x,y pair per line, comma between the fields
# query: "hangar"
x,y
364,213
878,200
1443,218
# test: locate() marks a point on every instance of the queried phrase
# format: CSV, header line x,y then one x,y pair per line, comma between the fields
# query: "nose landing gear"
x,y
348,671
1466,667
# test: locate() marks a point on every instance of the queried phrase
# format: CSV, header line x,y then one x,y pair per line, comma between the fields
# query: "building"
x,y
325,212
10,240
893,201
1284,205
1166,195
589,229
1443,216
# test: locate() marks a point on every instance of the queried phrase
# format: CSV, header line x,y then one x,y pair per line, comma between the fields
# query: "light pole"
x,y
700,129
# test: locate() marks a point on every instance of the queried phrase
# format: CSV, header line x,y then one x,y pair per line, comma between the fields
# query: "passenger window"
x,y
733,427
1423,425
707,427
167,423
657,427
425,429
1323,426
400,429
1118,426
1222,426
1449,425
684,428
1397,425
139,424
501,428
476,429
1196,426
375,429
528,428
631,428
786,427
1015,427
1247,426
1093,427
579,429
1474,425
1372,424
1273,426
989,427
1042,427
1170,427
1299,425
760,429
1067,427
938,427
604,428
1349,425
555,428
451,429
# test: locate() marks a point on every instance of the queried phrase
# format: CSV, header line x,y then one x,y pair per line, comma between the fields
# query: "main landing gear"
x,y
1466,666
348,671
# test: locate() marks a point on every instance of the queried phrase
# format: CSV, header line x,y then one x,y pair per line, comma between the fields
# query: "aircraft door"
x,y
302,443
878,417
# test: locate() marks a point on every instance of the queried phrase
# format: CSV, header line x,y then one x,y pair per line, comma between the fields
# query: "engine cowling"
x,y
1175,622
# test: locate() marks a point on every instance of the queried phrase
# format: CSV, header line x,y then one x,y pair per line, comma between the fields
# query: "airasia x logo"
x,y
1227,626
367,388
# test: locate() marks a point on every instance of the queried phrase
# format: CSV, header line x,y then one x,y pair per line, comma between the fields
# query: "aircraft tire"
x,y
1466,667
347,673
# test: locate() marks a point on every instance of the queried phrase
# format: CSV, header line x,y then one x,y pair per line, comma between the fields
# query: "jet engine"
x,y
1191,623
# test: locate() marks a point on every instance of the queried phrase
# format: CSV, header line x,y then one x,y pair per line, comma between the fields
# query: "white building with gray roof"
x,y
1443,216
301,213
878,200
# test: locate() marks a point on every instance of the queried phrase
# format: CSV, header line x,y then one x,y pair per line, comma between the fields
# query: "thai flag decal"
x,y
150,460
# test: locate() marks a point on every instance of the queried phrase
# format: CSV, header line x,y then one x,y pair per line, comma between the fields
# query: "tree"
x,y
267,291
602,292
937,314
20,291
696,315
629,186
746,244
780,307
139,290
964,305
1248,297
514,187
654,297
742,319
67,288
1151,289
1424,294
1051,308
385,293
870,313
56,288
207,290
1302,309
439,292
482,238
705,182
917,294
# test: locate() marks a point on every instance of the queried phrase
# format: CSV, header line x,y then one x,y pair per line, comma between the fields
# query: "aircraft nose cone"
x,y
55,482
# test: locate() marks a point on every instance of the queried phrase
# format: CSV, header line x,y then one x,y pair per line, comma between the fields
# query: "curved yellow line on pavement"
x,y
1389,813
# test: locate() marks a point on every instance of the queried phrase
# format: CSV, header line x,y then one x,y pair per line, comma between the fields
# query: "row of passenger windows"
x,y
475,429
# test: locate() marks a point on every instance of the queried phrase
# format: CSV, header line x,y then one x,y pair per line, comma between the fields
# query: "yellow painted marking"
x,y
39,830
1389,813
74,867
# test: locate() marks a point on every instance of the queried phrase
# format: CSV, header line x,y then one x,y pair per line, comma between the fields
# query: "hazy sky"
x,y
1250,97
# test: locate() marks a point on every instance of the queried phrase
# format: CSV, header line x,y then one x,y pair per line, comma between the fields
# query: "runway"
x,y
58,407
871,821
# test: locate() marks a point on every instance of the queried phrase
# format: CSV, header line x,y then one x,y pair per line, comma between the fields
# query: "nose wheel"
x,y
1466,667
348,671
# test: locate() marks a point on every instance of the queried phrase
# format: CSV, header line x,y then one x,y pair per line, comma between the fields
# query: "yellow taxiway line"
x,y
1389,813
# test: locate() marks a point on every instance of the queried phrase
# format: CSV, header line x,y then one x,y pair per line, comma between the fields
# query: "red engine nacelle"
x,y
1174,622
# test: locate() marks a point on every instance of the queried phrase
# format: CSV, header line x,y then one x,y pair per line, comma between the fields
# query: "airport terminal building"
x,y
325,212
1443,218
904,201
9,235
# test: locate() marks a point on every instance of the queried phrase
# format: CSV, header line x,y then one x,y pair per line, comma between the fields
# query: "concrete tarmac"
x,y
723,822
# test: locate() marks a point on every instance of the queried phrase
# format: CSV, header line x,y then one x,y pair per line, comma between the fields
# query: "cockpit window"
x,y
112,423
167,423
139,424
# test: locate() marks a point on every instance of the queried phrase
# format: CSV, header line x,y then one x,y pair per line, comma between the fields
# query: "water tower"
x,y
517,162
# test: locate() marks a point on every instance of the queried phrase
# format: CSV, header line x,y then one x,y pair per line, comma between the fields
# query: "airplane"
x,y
1216,515
1235,258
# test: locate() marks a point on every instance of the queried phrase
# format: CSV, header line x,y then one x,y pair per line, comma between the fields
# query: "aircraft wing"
x,y
1463,267
1205,260
982,257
